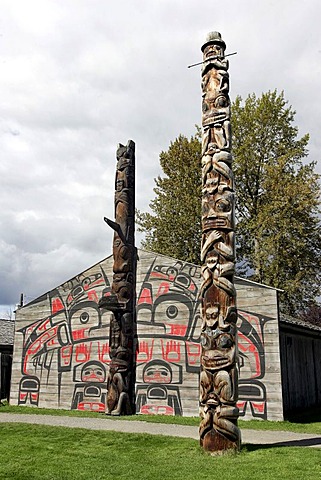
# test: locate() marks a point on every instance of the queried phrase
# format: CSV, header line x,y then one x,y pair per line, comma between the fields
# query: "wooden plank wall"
x,y
168,323
168,328
259,350
61,343
301,371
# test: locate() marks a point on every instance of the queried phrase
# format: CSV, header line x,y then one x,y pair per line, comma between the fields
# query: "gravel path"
x,y
265,437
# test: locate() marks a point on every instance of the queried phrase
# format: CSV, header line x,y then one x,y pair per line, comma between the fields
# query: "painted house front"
x,y
61,354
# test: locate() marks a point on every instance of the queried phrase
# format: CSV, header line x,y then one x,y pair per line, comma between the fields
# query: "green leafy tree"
x,y
174,228
277,202
312,314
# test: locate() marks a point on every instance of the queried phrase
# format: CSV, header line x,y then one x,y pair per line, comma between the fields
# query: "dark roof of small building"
x,y
297,322
6,331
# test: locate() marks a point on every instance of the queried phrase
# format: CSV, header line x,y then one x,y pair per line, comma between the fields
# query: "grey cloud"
x,y
77,80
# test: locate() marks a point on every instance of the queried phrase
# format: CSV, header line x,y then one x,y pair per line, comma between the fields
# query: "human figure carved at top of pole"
x,y
218,379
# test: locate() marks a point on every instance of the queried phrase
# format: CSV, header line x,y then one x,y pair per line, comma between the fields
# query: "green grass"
x,y
307,427
36,452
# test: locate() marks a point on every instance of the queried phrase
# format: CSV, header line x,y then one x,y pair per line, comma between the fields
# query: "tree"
x,y
175,227
312,314
277,201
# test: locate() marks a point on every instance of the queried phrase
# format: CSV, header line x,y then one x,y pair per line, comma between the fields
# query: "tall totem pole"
x,y
121,300
218,379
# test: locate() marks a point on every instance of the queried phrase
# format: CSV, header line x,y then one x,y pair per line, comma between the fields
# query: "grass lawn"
x,y
311,425
36,452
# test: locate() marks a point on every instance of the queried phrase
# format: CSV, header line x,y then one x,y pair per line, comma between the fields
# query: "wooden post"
x,y
218,379
121,301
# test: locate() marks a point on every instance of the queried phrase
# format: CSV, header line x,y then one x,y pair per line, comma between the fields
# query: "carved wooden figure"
x,y
121,300
218,379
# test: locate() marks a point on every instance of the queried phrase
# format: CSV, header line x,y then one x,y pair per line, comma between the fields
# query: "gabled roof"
x,y
238,280
6,331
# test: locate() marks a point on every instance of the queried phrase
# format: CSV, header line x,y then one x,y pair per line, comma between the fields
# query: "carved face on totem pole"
x,y
213,52
217,211
122,255
218,387
216,103
124,183
215,49
215,99
122,201
124,231
219,349
122,286
210,316
217,316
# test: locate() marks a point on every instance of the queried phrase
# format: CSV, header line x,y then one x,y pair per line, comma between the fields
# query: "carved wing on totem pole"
x,y
218,378
121,300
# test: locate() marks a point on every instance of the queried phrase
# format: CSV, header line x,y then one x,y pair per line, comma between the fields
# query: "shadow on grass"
x,y
307,442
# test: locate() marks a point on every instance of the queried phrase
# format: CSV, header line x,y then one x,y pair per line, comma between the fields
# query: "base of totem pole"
x,y
216,444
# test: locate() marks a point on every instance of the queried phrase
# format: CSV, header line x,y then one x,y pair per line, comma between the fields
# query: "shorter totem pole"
x,y
218,378
121,300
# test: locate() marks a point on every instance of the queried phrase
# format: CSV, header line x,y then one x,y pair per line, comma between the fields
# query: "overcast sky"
x,y
80,76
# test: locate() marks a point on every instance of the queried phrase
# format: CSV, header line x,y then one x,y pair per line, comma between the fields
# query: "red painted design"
x,y
171,351
258,407
246,346
158,275
92,295
83,352
92,406
30,330
103,352
56,306
23,396
93,284
193,353
163,289
145,351
145,297
80,334
157,410
178,330
157,373
45,325
66,355
41,341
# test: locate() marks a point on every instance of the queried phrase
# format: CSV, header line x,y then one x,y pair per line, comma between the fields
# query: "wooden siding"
x,y
61,343
301,371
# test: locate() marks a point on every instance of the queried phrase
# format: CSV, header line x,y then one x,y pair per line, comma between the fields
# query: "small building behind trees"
x,y
61,349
